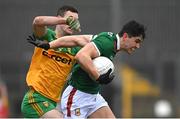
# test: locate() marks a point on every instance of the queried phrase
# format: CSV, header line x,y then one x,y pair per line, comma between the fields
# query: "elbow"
x,y
79,56
81,41
86,40
38,21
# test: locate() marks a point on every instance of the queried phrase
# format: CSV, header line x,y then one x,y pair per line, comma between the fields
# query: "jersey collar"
x,y
118,42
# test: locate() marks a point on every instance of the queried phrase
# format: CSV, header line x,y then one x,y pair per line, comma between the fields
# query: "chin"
x,y
130,52
68,31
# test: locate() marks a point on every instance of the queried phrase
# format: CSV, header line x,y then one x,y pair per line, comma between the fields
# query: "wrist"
x,y
94,75
61,20
47,46
97,77
53,45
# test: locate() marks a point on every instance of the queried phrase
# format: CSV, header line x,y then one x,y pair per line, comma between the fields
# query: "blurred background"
x,y
147,83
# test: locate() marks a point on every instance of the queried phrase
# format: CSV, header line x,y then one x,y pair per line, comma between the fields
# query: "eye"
x,y
137,41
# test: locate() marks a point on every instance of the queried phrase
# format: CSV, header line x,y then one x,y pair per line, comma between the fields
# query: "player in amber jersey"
x,y
49,68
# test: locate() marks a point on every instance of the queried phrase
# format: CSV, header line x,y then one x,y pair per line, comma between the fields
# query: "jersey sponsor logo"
x,y
77,112
110,34
111,57
57,58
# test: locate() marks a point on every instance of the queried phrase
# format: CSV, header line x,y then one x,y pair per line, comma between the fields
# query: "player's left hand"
x,y
73,23
106,78
39,43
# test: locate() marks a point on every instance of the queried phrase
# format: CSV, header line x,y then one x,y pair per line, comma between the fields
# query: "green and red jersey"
x,y
106,43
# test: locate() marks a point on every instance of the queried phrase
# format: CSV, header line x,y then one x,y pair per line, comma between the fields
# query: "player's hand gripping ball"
x,y
105,68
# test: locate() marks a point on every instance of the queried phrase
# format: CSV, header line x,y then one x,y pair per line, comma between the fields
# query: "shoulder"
x,y
105,35
104,43
50,31
49,35
108,34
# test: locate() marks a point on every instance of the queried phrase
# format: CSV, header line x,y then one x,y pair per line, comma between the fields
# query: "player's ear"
x,y
125,35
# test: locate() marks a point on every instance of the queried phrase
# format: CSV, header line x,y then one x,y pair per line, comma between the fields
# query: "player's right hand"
x,y
39,43
106,78
73,23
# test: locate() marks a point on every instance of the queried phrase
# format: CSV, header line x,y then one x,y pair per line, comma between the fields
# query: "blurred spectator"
x,y
4,108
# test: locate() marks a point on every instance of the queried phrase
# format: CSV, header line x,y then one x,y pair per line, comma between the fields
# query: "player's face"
x,y
65,28
132,43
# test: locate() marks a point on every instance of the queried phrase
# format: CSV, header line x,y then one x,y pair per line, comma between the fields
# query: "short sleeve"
x,y
49,36
104,44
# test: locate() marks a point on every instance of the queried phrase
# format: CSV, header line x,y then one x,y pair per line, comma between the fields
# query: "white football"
x,y
103,64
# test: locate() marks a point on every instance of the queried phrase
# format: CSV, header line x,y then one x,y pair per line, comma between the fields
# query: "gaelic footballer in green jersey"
x,y
83,92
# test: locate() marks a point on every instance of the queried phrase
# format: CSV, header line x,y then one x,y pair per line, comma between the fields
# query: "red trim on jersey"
x,y
69,103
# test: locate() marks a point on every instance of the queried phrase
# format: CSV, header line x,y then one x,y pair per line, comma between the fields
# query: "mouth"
x,y
133,49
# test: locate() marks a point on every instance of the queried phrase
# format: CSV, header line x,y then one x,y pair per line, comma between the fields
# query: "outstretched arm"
x,y
66,41
71,41
40,23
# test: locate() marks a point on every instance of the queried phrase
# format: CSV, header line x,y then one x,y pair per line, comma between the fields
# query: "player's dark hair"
x,y
133,29
62,10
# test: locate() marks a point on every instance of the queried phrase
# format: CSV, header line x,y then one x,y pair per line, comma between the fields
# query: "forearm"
x,y
48,20
40,24
66,41
71,41
86,64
